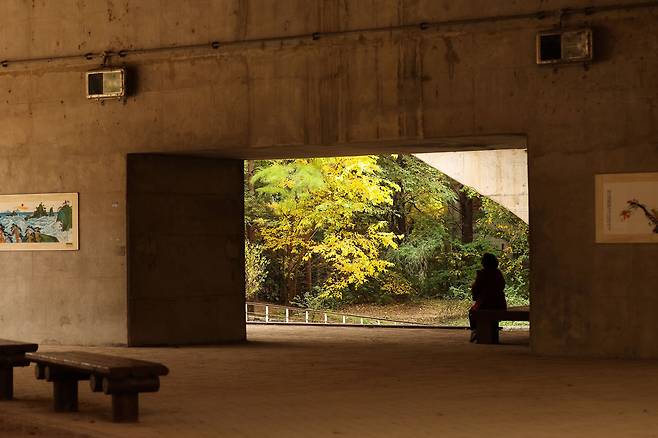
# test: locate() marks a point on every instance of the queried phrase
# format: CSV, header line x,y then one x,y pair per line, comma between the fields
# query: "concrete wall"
x,y
185,233
301,95
501,175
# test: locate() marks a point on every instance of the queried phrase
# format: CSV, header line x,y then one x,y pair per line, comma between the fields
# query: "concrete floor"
x,y
359,382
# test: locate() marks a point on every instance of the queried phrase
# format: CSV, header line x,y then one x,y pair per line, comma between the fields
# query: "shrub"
x,y
255,269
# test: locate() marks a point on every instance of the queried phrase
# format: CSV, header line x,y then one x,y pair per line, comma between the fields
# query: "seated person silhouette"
x,y
488,290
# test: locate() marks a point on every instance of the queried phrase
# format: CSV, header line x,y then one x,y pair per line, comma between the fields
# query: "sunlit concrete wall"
x,y
501,175
302,95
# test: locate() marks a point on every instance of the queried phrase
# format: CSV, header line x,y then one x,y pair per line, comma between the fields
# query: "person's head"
x,y
489,261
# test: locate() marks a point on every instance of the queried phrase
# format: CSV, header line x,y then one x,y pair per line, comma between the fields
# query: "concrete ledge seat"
x,y
486,322
120,377
12,354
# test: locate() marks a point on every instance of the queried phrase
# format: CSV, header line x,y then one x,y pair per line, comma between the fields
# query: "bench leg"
x,y
6,383
125,407
65,394
496,332
487,332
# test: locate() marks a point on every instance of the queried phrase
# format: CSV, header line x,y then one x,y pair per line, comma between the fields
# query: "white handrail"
x,y
287,315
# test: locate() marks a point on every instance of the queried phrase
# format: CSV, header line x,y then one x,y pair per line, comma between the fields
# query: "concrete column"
x,y
185,250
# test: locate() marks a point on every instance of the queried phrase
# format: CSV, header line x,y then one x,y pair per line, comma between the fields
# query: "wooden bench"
x,y
120,377
486,322
12,354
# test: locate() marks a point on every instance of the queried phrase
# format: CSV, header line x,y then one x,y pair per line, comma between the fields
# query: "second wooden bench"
x,y
486,322
119,377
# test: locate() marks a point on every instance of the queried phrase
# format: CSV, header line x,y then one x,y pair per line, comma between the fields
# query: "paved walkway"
x,y
359,382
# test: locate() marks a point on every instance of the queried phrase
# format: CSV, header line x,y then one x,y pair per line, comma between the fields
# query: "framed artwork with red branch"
x,y
627,207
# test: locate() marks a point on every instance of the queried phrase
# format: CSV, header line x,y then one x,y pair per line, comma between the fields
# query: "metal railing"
x,y
265,313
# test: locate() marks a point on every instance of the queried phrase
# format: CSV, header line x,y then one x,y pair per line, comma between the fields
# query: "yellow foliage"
x,y
316,205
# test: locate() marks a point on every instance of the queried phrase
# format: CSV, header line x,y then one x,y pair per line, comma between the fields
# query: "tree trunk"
x,y
398,222
466,209
291,288
251,166
309,275
283,296
466,213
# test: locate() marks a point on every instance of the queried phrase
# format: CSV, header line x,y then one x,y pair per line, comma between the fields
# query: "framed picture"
x,y
627,208
39,222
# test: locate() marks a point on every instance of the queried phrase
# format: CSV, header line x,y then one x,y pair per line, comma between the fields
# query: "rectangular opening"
x,y
403,251
549,48
94,84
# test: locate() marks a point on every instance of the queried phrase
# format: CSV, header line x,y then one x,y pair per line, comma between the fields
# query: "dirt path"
x,y
437,312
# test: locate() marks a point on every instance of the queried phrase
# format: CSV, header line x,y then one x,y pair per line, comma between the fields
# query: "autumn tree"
x,y
325,210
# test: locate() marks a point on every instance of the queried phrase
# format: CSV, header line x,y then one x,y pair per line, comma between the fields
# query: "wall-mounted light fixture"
x,y
562,46
106,83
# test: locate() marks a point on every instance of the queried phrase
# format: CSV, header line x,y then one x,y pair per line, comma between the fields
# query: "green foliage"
x,y
416,256
456,268
425,190
317,299
431,256
255,269
499,223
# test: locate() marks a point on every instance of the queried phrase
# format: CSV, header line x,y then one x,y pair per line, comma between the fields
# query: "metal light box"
x,y
106,83
564,46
